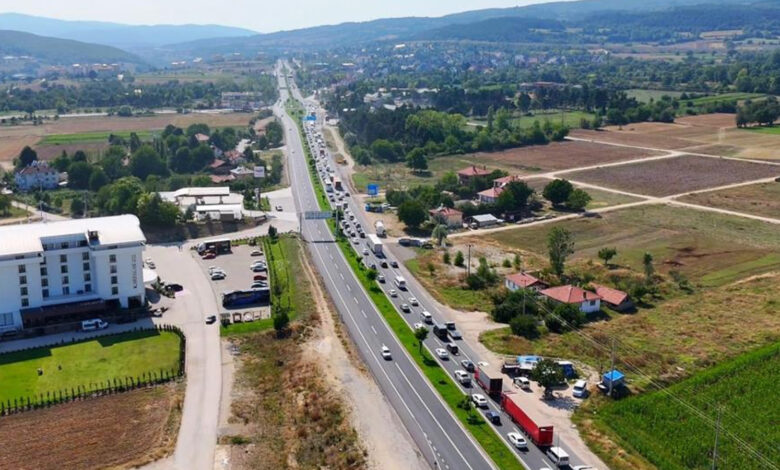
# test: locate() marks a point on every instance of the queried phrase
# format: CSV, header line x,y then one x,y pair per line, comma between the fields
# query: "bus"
x,y
239,298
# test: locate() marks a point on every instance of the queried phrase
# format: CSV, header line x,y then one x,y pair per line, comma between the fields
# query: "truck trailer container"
x,y
374,244
379,226
542,436
492,385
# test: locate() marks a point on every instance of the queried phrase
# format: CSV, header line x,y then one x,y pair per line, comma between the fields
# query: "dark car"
x,y
493,417
174,287
468,365
383,264
211,319
394,263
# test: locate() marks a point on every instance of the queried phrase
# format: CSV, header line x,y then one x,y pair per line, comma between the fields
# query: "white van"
x,y
400,282
94,324
426,316
558,456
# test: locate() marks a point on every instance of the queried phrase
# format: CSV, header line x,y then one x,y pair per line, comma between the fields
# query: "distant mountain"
x,y
129,37
61,51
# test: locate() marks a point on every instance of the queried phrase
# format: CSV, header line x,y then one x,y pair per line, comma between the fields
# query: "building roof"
x,y
445,211
610,295
474,171
29,238
201,137
36,167
491,193
222,178
523,279
174,196
242,171
484,218
569,294
504,180
217,163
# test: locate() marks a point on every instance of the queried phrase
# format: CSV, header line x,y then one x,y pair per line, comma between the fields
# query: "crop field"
x,y
636,135
124,430
774,130
645,96
671,436
90,137
759,199
725,97
676,175
711,249
48,152
81,364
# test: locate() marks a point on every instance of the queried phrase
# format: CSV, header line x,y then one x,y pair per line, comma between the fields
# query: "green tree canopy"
x,y
559,246
146,161
411,213
557,191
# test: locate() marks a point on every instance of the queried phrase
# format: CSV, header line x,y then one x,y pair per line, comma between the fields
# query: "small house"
x,y
449,216
37,175
588,302
523,280
467,174
201,138
613,298
483,220
490,195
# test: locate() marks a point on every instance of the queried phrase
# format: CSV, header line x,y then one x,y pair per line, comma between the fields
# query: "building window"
x,y
23,291
65,245
87,277
87,287
64,268
85,256
66,290
22,280
45,293
65,280
113,269
44,282
112,258
114,291
113,280
63,258
44,271
85,266
22,269
25,302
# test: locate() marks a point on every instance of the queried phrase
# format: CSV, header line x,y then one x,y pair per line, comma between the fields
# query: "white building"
x,y
216,203
37,175
55,270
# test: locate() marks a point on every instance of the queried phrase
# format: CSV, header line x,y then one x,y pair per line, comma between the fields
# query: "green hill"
x,y
60,51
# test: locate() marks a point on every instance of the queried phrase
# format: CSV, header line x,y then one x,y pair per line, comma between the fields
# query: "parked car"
x,y
259,268
442,353
479,400
218,276
256,253
580,389
258,285
174,287
419,325
523,383
209,256
211,319
260,277
279,208
517,440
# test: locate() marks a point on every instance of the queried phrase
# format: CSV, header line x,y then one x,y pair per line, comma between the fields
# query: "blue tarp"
x,y
533,359
614,376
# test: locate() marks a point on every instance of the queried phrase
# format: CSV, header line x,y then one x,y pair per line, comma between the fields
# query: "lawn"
x,y
88,363
91,137
672,436
725,97
645,96
758,199
711,249
570,118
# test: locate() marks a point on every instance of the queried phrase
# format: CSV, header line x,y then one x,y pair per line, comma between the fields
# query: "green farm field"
x,y
645,96
117,356
91,137
663,428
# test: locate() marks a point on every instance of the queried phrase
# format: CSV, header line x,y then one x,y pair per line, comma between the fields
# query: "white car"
x,y
418,325
393,293
405,308
462,376
479,400
386,353
580,389
413,301
365,251
217,276
381,278
517,440
442,353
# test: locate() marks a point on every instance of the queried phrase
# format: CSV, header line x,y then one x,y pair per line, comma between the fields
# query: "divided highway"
x,y
442,440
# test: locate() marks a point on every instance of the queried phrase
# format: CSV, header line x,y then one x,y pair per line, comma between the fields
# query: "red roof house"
x,y
587,301
465,175
452,217
523,280
490,195
615,299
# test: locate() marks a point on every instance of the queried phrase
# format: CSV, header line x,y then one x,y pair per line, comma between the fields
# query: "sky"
x,y
258,15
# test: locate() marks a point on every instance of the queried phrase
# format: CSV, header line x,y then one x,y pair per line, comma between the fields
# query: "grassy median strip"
x,y
491,442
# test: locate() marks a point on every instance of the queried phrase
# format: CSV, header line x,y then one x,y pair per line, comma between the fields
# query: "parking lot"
x,y
238,276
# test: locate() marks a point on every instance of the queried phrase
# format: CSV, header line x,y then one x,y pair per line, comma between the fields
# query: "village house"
x,y
219,167
451,217
587,301
490,195
242,173
37,175
465,175
523,280
505,180
614,298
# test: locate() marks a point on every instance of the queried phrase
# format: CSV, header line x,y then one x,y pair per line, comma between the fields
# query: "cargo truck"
x,y
374,244
542,436
337,184
492,385
379,226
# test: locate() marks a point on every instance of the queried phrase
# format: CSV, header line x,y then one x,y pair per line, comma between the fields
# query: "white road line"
x,y
341,275
356,300
364,314
374,330
349,288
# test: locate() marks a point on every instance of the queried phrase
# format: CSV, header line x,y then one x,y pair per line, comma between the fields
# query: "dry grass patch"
x,y
118,431
638,137
758,199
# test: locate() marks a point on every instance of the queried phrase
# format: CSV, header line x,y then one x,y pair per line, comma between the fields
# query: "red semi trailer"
x,y
542,436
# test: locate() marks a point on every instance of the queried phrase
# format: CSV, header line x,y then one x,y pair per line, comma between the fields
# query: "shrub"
x,y
525,326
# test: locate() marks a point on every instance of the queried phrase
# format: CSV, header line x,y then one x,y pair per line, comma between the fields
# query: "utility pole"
x,y
612,367
715,449
468,262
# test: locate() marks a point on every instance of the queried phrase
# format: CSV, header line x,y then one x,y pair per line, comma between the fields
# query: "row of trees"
x,y
764,112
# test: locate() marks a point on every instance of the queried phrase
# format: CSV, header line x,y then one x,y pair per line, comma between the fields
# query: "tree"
x,y
557,191
525,326
153,211
547,374
5,204
421,334
570,316
647,263
372,274
578,200
416,160
181,161
514,196
77,206
281,321
272,232
97,179
607,254
411,213
79,174
121,197
146,161
459,259
559,245
440,234
27,156
446,258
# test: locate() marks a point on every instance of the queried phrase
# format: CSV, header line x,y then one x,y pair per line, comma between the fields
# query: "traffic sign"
x,y
373,189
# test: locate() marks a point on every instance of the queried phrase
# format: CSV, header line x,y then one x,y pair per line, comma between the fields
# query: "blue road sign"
x,y
373,189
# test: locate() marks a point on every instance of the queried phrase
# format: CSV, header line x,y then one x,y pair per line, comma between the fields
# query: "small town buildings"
x,y
614,298
36,176
215,203
242,173
523,280
467,174
490,195
587,301
483,220
71,270
449,216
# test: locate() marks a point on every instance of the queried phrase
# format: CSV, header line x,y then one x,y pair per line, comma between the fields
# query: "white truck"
x,y
380,229
374,244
